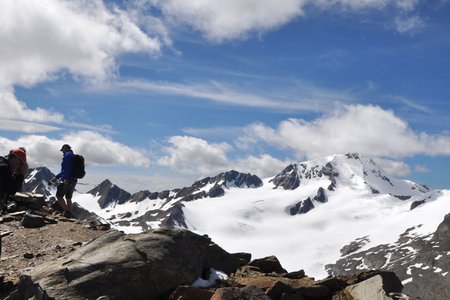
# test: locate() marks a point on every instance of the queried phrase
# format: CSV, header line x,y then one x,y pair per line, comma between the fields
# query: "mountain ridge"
x,y
334,209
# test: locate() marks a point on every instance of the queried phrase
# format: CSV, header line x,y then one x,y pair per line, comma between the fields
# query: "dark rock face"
x,y
442,234
288,179
307,205
109,193
175,217
421,263
234,178
216,191
140,196
354,246
416,203
321,196
143,266
302,207
36,181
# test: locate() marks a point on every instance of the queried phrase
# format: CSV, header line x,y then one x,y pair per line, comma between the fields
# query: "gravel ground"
x,y
24,248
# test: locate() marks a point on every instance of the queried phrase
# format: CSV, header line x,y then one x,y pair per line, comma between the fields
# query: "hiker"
x,y
13,168
67,183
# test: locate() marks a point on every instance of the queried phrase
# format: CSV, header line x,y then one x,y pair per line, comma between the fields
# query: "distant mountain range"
x,y
333,215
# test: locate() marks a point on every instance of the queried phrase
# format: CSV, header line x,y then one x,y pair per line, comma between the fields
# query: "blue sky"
x,y
156,94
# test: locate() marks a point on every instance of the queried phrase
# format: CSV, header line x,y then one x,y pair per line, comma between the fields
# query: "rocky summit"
x,y
48,256
337,217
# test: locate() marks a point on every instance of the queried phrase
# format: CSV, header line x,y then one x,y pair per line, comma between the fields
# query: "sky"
x,y
157,94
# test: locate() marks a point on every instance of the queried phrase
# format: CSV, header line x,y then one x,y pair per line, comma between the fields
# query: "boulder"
x,y
190,293
148,265
269,264
377,287
246,293
33,221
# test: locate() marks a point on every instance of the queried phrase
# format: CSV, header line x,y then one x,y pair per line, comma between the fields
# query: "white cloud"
x,y
408,24
369,130
421,169
102,150
301,96
194,155
28,127
16,116
393,167
13,109
263,165
225,20
96,148
42,38
367,4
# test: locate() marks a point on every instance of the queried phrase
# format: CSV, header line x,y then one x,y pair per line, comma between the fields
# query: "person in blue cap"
x,y
67,181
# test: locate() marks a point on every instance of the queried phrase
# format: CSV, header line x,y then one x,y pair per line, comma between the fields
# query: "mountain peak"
x,y
349,169
109,194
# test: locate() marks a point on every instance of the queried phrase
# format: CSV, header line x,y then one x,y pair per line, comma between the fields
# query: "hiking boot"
x,y
68,215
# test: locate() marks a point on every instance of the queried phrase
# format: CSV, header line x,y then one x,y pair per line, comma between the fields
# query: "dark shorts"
x,y
65,190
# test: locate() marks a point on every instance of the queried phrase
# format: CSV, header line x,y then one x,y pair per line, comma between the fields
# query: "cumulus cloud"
x,y
12,108
263,165
96,148
393,167
225,20
366,129
194,155
41,38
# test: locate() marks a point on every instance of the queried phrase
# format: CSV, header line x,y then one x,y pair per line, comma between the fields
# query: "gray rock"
x,y
246,293
32,221
149,265
375,288
268,264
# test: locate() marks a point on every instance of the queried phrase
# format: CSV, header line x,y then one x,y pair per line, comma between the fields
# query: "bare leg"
x,y
62,203
69,204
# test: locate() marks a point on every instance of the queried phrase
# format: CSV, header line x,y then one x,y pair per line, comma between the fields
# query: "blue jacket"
x,y
67,167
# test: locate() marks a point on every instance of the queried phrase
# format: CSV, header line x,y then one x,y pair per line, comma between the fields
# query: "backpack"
x,y
78,166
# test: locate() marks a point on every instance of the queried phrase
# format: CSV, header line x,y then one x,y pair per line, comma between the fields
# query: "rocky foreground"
x,y
48,256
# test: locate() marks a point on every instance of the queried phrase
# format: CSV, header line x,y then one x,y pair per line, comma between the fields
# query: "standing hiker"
x,y
68,181
13,168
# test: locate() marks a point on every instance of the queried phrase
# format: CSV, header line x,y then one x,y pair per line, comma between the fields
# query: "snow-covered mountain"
x,y
37,180
337,214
